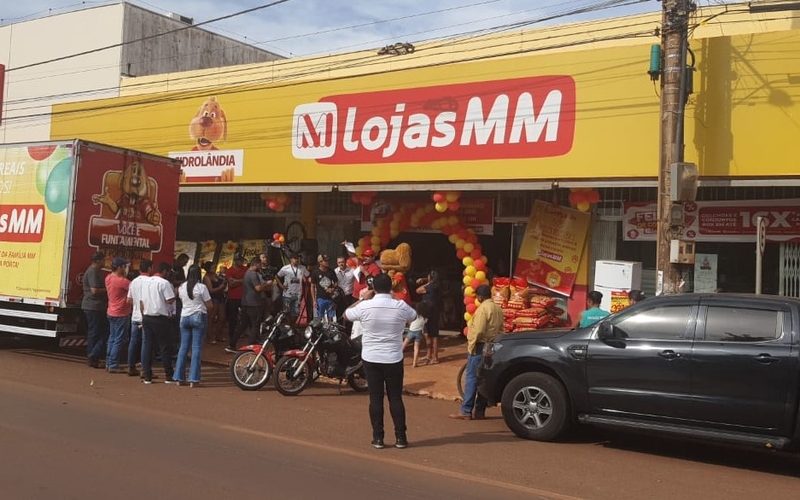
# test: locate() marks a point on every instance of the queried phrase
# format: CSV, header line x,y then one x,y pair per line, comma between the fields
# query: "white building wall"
x,y
31,92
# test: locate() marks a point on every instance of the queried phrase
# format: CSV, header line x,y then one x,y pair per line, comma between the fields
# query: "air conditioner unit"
x,y
681,252
682,182
178,17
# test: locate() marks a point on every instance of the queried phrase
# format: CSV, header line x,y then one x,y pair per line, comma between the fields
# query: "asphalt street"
x,y
68,431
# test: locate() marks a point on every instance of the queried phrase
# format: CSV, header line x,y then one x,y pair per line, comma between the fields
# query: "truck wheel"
x,y
535,406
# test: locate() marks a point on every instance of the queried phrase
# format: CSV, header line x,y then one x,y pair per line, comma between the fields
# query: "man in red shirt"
x,y
235,278
367,268
118,312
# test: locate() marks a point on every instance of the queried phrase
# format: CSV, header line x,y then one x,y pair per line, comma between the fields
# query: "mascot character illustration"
x,y
395,262
208,126
130,195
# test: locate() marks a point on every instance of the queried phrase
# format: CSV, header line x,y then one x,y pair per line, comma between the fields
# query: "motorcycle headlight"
x,y
307,333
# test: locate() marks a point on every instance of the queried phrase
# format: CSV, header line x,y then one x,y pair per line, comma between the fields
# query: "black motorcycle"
x,y
328,352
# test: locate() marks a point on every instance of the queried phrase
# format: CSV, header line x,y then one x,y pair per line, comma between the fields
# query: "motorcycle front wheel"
x,y
358,380
289,380
250,370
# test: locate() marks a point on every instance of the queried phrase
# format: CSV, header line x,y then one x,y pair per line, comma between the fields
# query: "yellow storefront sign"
x,y
571,115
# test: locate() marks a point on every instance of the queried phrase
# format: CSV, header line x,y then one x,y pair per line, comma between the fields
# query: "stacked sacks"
x,y
524,308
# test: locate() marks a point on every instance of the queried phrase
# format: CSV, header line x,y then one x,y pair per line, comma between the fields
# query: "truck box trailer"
x,y
61,202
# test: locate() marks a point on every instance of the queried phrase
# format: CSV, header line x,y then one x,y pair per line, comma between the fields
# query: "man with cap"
x,y
290,278
485,325
324,283
119,311
94,304
367,268
235,279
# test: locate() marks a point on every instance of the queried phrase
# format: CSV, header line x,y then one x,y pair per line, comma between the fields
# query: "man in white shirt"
x,y
291,278
157,298
383,319
136,347
344,277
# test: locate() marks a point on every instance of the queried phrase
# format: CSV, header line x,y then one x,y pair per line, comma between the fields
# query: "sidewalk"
x,y
433,381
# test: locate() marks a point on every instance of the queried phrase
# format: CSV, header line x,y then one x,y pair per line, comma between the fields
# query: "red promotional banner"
x,y
551,251
475,213
728,221
22,223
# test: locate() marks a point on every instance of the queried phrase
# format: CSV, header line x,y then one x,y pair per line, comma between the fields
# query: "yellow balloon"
x,y
452,220
452,238
282,239
460,243
480,275
451,196
376,231
467,280
469,247
470,271
375,240
469,291
583,206
282,198
440,206
467,261
394,232
467,316
376,248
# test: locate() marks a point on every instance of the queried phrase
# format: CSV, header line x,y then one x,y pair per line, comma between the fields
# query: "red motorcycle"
x,y
252,368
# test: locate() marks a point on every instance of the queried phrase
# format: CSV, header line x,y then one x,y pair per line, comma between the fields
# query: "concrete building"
x,y
86,54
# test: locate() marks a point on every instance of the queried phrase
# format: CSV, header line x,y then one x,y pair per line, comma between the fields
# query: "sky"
x,y
314,27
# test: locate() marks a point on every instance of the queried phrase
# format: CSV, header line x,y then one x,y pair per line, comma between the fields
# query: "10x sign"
x,y
501,119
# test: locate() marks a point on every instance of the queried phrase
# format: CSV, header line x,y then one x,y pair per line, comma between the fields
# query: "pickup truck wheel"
x,y
535,406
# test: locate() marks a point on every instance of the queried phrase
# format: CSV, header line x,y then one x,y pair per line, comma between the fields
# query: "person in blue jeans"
x,y
194,324
485,325
95,305
136,346
119,312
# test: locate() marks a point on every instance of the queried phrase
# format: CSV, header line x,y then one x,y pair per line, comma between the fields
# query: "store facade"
x,y
505,119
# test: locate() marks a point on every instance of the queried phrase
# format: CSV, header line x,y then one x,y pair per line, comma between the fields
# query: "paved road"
x,y
67,431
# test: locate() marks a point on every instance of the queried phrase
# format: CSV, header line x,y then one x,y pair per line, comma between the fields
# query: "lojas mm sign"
x,y
517,118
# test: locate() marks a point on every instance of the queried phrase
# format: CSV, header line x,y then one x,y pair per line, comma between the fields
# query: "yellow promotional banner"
x,y
229,249
251,249
552,248
34,197
208,250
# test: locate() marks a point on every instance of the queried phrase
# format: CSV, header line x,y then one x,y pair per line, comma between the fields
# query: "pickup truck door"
x,y
742,365
645,369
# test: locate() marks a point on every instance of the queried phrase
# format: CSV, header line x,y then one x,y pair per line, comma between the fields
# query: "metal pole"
x,y
761,241
675,17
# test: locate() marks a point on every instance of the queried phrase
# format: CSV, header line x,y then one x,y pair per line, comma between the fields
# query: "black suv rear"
x,y
720,367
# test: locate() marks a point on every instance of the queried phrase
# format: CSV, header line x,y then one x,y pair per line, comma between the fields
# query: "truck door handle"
x,y
669,354
766,359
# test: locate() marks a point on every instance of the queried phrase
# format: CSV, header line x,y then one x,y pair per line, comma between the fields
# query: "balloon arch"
x,y
404,216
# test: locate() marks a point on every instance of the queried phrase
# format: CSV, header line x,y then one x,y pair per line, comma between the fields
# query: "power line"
x,y
149,37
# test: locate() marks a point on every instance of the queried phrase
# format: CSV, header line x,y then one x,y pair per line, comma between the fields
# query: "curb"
x,y
421,394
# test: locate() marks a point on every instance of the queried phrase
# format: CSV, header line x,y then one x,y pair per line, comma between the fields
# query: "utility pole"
x,y
674,41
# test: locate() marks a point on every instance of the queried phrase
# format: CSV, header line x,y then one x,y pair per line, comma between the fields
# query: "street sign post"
x,y
761,241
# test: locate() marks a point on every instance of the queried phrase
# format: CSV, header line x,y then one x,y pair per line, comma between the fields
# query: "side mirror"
x,y
605,330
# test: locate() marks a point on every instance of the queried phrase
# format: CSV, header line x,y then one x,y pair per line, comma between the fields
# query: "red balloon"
x,y
40,153
471,308
453,206
469,300
476,254
475,284
461,253
273,204
437,197
465,332
479,264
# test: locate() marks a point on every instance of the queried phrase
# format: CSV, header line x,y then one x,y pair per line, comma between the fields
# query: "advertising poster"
x,y
552,248
34,194
705,272
252,248
475,213
728,221
229,249
208,250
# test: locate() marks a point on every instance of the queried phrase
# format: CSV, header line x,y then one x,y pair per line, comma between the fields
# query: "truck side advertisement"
x,y
34,192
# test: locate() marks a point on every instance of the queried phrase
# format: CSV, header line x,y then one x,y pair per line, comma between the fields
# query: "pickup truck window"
x,y
736,324
658,323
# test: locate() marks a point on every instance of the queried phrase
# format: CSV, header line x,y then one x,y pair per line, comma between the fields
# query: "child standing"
x,y
416,328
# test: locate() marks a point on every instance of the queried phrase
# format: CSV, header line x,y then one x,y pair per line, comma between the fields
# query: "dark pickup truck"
x,y
720,367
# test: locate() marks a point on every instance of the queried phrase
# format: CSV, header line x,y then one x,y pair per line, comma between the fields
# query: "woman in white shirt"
x,y
194,325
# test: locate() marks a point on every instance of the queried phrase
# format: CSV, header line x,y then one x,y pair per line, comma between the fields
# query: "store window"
x,y
735,324
659,323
